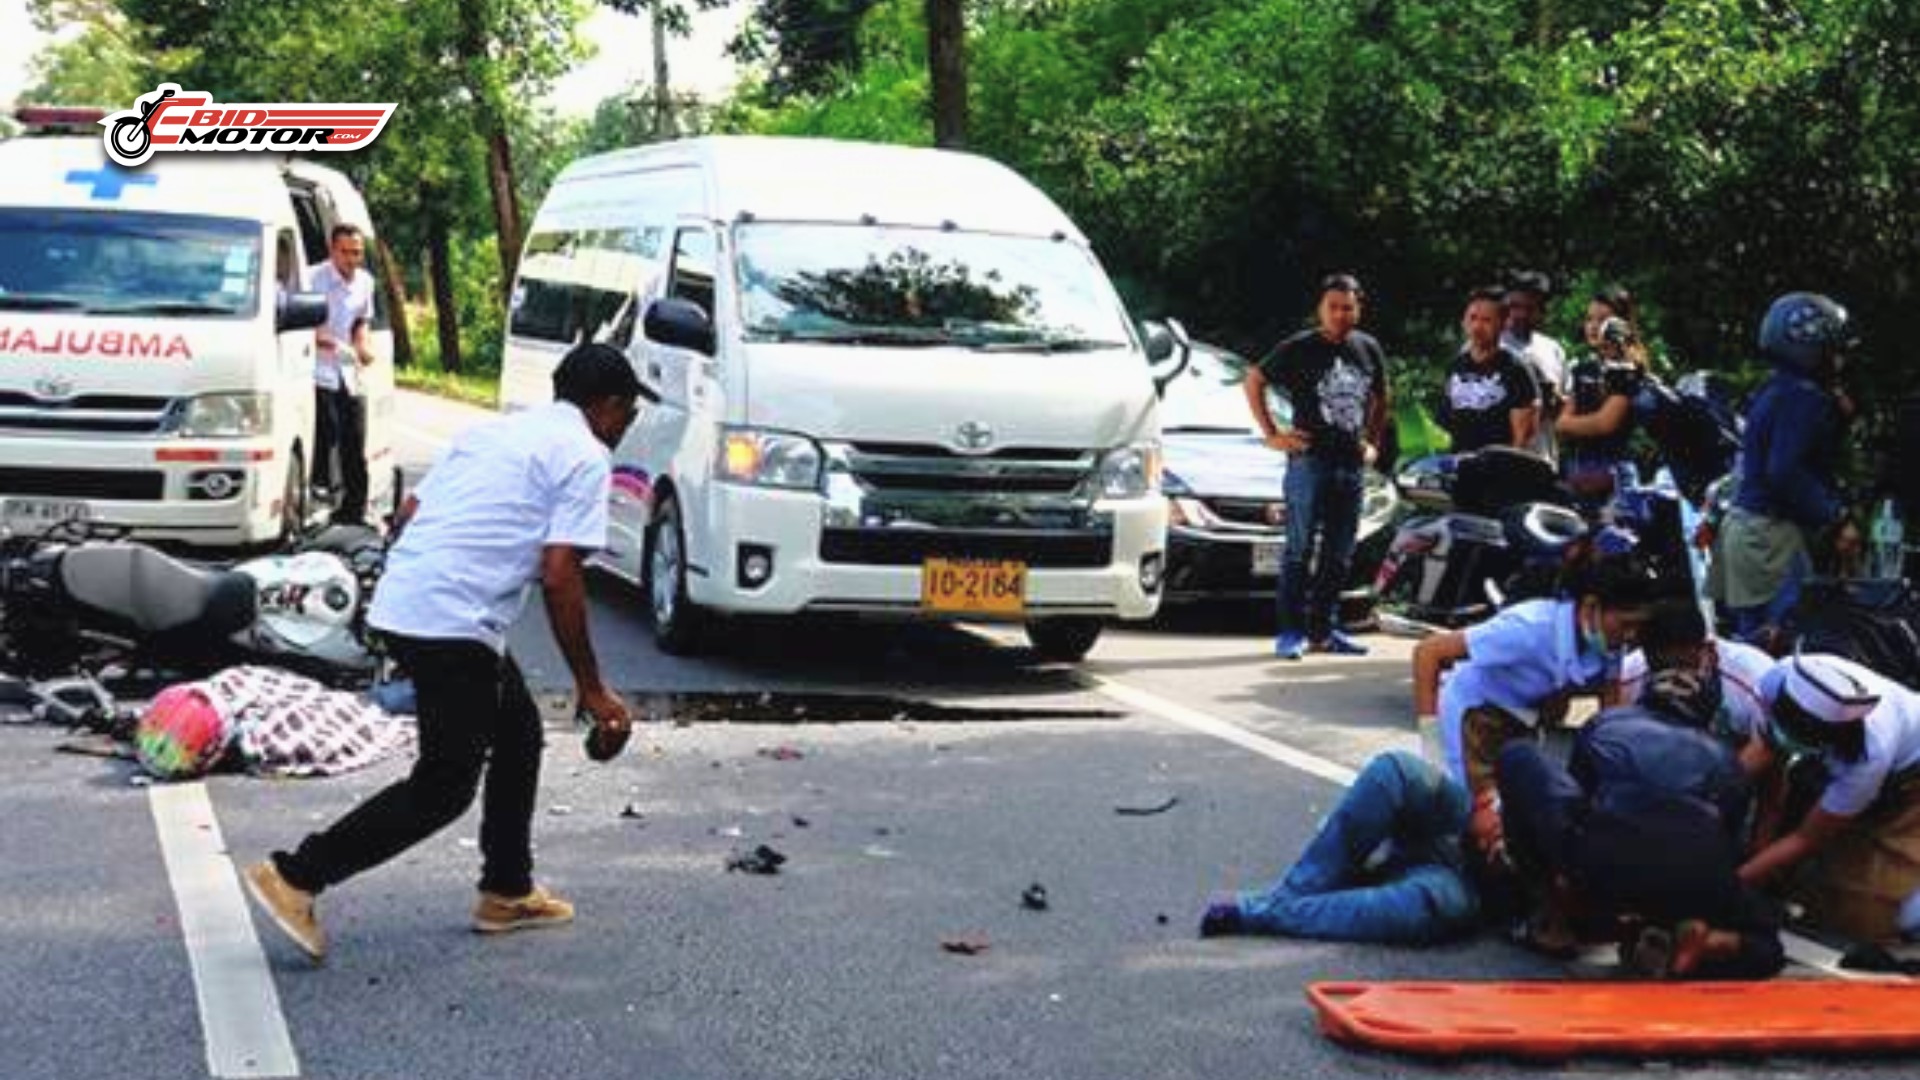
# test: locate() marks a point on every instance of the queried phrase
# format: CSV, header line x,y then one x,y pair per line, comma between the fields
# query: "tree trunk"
x,y
440,272
394,285
947,66
662,90
491,122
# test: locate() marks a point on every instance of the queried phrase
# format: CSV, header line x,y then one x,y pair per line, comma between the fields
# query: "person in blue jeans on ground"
x,y
1335,378
1390,865
1790,459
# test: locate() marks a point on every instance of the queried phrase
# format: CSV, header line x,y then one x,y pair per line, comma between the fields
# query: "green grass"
x,y
476,388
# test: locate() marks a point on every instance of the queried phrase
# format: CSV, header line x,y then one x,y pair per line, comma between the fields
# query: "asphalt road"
x,y
918,781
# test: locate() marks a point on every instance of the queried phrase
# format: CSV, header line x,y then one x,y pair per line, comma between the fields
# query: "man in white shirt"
x,y
341,350
519,500
1543,356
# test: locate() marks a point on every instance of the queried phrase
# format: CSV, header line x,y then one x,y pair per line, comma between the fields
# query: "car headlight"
x,y
224,416
1131,472
775,459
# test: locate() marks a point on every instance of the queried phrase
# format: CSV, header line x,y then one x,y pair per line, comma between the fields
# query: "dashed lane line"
x,y
240,1017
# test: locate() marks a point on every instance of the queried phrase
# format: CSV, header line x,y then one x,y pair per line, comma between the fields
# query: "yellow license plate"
x,y
973,586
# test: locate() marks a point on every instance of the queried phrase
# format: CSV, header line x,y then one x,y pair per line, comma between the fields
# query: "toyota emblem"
x,y
53,386
973,435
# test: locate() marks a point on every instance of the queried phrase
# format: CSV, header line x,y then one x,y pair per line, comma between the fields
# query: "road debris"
x,y
1148,811
780,753
632,812
971,945
1035,898
761,860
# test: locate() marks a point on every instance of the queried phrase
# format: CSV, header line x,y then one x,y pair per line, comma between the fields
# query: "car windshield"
x,y
95,262
907,286
1207,396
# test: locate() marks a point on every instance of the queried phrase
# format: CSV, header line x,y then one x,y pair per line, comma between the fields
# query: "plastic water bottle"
x,y
1887,540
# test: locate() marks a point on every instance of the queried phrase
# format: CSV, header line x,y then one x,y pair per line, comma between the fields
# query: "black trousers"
x,y
340,425
1665,861
475,717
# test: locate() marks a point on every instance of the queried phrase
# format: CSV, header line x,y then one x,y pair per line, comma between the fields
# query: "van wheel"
x,y
293,500
678,623
1065,640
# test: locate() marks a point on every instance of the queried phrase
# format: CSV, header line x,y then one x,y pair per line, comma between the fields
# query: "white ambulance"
x,y
885,381
156,344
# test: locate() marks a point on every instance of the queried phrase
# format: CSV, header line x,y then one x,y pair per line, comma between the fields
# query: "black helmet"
x,y
1802,329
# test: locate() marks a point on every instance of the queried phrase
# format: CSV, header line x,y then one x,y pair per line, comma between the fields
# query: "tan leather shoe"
x,y
290,909
496,914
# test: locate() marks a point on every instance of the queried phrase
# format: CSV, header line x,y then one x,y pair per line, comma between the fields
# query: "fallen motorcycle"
x,y
75,600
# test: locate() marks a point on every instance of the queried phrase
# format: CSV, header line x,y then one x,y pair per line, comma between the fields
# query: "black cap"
x,y
594,372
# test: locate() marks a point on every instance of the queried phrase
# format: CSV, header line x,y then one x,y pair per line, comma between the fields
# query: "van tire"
x,y
679,625
293,498
1065,640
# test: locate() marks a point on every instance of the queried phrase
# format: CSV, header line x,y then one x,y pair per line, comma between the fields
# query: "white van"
x,y
156,347
887,380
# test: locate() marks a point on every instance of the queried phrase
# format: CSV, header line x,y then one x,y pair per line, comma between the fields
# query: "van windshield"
x,y
115,262
878,284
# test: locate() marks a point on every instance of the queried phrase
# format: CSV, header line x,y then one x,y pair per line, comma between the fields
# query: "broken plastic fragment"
x,y
761,860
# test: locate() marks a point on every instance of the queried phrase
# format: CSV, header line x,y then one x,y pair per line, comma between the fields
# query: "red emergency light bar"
x,y
63,119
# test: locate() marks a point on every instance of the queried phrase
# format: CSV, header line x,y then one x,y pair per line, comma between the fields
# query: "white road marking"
x,y
240,1014
1800,950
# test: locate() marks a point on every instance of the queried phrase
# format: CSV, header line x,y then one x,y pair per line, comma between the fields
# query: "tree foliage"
x,y
1707,153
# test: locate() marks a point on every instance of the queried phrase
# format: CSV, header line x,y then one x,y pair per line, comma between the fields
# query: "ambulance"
x,y
157,341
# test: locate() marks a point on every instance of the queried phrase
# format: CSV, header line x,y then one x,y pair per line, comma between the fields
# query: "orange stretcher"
x,y
1643,1019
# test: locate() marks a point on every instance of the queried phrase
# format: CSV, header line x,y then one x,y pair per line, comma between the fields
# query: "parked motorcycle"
x,y
77,600
1488,528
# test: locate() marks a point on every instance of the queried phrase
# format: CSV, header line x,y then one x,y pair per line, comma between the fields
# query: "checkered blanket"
x,y
285,725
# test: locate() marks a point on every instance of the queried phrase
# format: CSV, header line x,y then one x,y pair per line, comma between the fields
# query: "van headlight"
x,y
1131,472
223,416
775,459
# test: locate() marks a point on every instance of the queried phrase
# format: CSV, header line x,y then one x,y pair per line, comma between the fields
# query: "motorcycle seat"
x,y
155,593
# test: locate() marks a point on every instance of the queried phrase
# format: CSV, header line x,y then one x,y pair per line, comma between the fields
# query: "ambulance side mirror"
x,y
300,311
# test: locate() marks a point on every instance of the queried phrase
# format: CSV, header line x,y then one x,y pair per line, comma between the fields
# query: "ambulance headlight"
x,y
223,416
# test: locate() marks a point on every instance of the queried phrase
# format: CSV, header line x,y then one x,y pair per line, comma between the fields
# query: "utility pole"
x,y
662,92
947,65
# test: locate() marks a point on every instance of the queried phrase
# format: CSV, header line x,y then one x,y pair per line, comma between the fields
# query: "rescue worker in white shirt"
x,y
341,350
1862,840
519,500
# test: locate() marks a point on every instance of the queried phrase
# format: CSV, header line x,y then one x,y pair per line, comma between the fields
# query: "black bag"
x,y
1873,623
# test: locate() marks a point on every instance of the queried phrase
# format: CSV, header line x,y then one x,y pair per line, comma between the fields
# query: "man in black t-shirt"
x,y
1335,377
1489,398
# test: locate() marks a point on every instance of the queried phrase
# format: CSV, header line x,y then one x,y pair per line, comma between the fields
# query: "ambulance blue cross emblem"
x,y
110,180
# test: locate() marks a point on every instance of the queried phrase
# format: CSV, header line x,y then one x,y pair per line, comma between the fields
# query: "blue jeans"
x,y
1323,501
1385,867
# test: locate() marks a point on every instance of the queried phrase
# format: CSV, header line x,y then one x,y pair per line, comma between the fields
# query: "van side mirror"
x,y
681,324
1169,351
299,311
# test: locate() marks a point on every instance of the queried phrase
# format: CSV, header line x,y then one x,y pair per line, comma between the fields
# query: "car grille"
x,y
93,414
895,467
1251,512
910,547
125,485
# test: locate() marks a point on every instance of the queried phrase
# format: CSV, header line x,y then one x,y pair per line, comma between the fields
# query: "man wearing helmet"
x,y
1865,731
1789,488
1637,837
